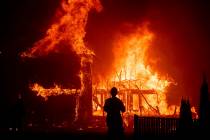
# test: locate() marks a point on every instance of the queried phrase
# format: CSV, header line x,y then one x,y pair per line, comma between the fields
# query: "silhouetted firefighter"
x,y
204,105
185,120
114,106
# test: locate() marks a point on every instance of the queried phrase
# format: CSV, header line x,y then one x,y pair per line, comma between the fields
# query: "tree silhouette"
x,y
204,104
185,122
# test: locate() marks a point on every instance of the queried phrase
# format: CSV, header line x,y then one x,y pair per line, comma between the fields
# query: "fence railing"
x,y
156,126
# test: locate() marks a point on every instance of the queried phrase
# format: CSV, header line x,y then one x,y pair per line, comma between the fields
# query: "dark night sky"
x,y
181,45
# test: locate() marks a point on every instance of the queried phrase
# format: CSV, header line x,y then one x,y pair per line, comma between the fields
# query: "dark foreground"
x,y
64,134
71,136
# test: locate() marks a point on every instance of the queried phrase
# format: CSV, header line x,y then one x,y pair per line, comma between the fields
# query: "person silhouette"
x,y
113,107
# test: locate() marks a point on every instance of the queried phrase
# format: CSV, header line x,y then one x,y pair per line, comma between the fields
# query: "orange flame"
x,y
194,112
133,73
55,91
70,28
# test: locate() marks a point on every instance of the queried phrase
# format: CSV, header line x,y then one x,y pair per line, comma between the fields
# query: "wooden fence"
x,y
155,126
158,126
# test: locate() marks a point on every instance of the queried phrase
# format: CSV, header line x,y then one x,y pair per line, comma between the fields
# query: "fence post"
x,y
136,126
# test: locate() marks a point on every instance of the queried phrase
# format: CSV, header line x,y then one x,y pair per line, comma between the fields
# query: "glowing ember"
x,y
194,113
55,91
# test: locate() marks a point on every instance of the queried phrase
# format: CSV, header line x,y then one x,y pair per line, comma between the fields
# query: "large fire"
x,y
131,74
142,90
70,28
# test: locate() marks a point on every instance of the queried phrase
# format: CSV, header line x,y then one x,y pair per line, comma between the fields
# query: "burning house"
x,y
142,89
68,32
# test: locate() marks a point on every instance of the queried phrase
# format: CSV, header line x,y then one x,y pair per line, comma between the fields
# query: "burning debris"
x,y
70,28
57,90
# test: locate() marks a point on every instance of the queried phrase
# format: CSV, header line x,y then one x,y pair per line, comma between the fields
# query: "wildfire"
x,y
70,29
135,79
132,73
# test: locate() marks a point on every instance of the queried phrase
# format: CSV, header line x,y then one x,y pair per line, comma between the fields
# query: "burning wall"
x,y
69,31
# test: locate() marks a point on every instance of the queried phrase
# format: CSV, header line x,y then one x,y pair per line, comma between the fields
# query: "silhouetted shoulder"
x,y
108,100
122,107
107,104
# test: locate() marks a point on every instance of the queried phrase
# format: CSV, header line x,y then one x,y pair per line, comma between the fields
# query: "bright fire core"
x,y
141,89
